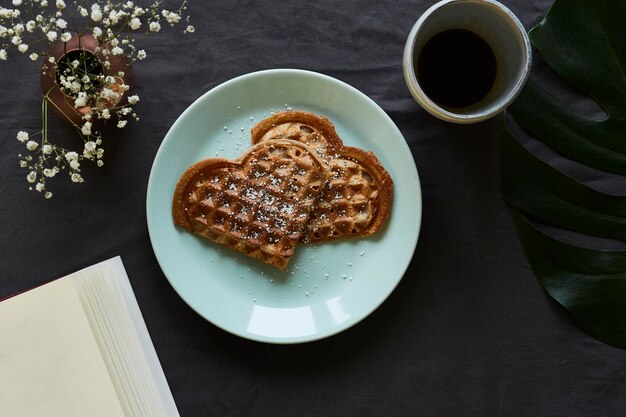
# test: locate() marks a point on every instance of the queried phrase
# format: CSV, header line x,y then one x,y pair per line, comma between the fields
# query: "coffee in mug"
x,y
466,60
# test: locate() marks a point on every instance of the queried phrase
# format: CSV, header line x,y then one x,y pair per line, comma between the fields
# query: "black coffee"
x,y
456,68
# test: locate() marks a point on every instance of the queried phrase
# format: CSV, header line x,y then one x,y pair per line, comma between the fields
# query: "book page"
x,y
50,364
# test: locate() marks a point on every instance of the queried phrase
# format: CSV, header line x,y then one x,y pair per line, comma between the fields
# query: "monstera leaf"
x,y
584,42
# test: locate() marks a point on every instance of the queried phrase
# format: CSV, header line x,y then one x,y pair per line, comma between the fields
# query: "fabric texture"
x,y
468,332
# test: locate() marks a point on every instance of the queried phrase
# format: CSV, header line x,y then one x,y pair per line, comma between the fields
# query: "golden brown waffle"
x,y
258,204
357,199
315,131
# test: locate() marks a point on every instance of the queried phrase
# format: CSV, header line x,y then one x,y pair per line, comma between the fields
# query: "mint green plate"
x,y
330,286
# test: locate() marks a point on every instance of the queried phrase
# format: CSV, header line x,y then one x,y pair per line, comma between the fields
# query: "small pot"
x,y
64,104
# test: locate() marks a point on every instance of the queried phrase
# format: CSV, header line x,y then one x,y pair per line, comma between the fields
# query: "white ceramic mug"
x,y
502,31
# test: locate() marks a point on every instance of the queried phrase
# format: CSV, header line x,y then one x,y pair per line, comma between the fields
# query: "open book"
x,y
78,346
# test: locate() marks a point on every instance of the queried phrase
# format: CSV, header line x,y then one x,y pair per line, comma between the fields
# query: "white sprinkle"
x,y
307,293
344,276
349,264
238,107
225,127
254,300
251,118
362,253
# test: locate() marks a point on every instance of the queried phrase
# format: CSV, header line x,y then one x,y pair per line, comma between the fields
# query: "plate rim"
x,y
344,325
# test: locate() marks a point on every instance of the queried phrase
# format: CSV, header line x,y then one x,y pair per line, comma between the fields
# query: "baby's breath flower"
x,y
22,48
83,11
76,177
65,37
61,24
31,145
105,114
40,187
121,124
17,2
74,164
100,162
60,4
190,29
51,60
31,177
3,55
90,146
48,195
86,129
52,36
33,56
46,149
133,99
16,40
22,136
117,51
97,32
155,26
18,29
30,26
96,13
81,101
173,18
71,156
141,54
135,23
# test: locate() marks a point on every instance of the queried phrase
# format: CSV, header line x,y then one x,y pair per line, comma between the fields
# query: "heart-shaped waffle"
x,y
357,198
314,131
259,204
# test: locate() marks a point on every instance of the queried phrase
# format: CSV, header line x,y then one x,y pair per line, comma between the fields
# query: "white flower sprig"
x,y
32,26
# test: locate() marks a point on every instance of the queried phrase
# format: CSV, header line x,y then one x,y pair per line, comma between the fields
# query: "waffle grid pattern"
x,y
260,206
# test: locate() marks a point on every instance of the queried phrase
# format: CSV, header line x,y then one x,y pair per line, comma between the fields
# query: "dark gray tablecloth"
x,y
468,331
